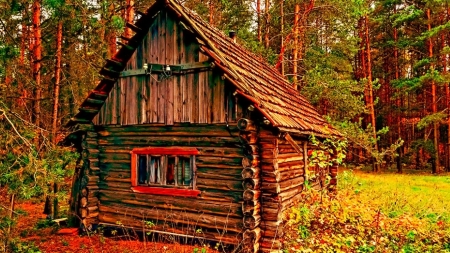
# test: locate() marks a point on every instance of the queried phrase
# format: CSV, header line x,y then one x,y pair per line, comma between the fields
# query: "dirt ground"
x,y
46,238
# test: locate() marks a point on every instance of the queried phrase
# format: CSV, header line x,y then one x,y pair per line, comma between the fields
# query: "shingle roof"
x,y
253,77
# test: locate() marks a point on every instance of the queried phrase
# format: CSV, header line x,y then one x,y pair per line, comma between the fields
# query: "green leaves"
x,y
431,119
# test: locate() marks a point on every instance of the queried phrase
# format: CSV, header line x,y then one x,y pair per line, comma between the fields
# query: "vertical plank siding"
x,y
197,97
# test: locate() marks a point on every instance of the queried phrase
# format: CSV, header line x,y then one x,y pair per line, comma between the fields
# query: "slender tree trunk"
x,y
258,16
129,17
295,51
433,102
111,36
211,12
37,57
23,39
267,14
56,92
398,102
447,93
369,87
282,36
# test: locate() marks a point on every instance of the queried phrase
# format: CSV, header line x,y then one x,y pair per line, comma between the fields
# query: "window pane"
x,y
184,173
155,165
170,173
142,169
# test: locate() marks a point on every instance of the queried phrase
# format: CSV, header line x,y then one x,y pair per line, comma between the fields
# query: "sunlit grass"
x,y
424,196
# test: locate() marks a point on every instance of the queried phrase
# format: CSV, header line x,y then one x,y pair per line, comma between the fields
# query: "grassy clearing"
x,y
374,213
423,196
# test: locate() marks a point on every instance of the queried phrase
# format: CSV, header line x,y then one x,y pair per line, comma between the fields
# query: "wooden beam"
x,y
174,69
133,27
294,144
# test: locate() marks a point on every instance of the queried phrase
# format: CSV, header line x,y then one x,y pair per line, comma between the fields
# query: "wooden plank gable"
x,y
196,95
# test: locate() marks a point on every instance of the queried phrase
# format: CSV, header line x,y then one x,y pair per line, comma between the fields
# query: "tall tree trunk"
x,y
129,17
433,102
37,57
282,36
447,97
295,51
57,86
369,87
398,102
267,14
111,36
258,17
21,89
211,12
56,92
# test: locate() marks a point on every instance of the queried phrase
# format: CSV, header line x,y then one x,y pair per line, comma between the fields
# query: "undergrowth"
x,y
372,214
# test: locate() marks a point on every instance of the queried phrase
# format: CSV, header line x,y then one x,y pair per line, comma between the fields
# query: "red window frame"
x,y
161,190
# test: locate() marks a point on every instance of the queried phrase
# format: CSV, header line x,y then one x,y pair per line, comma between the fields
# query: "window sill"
x,y
166,191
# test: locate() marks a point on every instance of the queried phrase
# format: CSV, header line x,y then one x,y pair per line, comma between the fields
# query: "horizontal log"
x,y
250,161
219,174
92,215
176,217
251,149
251,184
270,245
251,221
207,183
271,176
251,207
251,195
269,153
252,234
163,130
252,172
93,201
282,185
83,212
218,160
248,137
249,247
170,141
83,202
124,186
272,214
189,230
246,125
92,209
172,203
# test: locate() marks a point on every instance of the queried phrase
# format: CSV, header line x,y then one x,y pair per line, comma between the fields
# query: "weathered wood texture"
x,y
252,191
282,175
218,209
84,201
194,97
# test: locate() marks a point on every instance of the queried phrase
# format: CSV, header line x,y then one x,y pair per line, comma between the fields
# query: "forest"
x,y
378,70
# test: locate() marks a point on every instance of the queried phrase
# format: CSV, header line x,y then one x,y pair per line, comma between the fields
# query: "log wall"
x,y
199,96
84,197
217,212
283,168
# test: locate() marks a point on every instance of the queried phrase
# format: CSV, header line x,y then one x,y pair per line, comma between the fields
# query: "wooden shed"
x,y
193,133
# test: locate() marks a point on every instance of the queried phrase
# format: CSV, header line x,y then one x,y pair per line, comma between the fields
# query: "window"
x,y
164,171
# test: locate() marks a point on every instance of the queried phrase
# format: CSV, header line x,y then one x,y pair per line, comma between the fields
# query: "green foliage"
x,y
363,138
358,222
431,119
410,13
117,23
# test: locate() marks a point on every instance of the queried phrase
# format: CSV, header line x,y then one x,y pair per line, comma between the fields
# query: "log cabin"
x,y
190,132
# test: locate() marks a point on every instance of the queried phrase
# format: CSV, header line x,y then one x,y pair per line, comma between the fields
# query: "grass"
x,y
398,194
383,212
